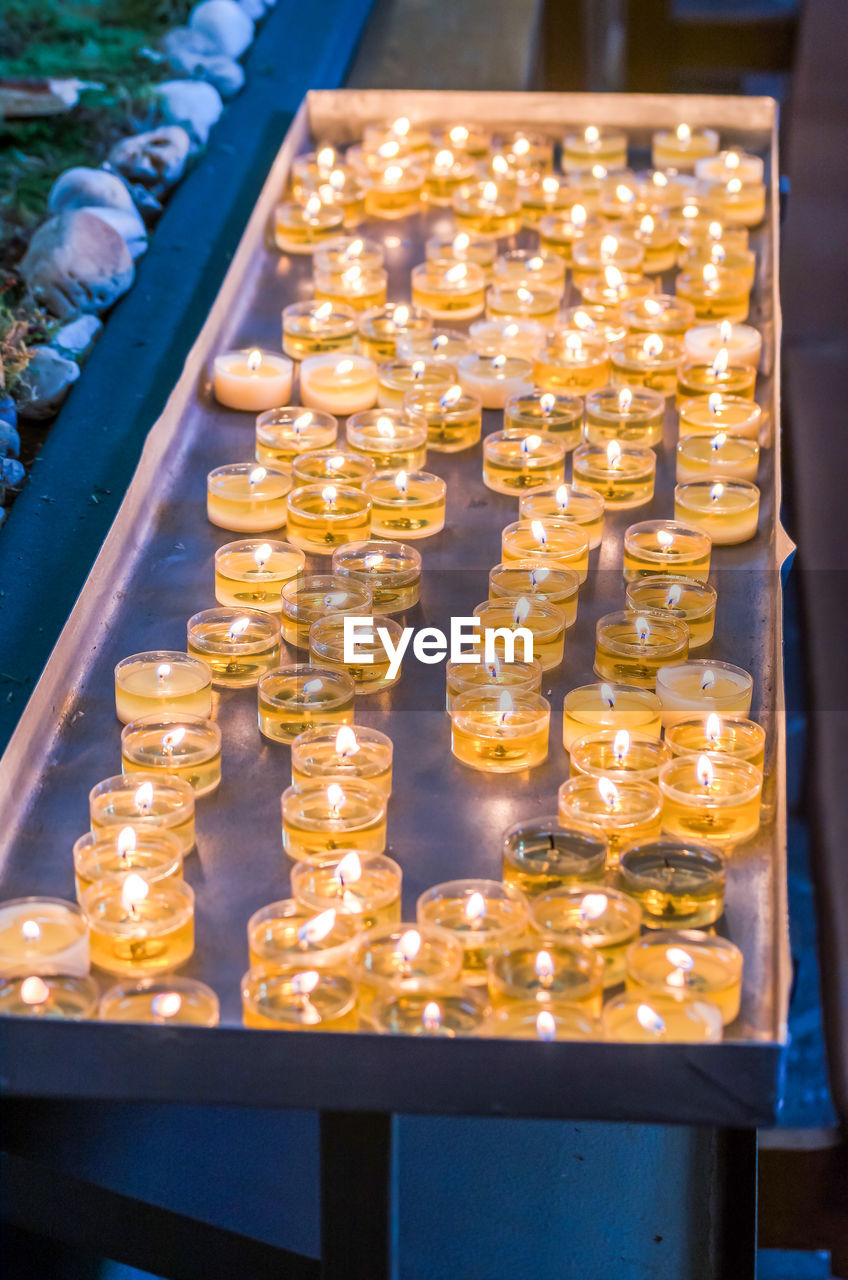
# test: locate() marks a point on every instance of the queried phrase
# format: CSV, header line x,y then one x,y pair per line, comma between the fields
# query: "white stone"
x,y
45,382
255,9
77,337
195,55
224,73
77,262
194,104
79,188
156,158
226,23
12,474
129,224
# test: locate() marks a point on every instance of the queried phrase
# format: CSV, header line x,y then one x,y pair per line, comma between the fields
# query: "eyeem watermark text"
x,y
431,645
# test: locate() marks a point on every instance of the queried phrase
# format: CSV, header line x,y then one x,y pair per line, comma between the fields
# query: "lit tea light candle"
x,y
524,149
322,517
410,504
181,745
560,415
252,380
287,935
547,541
661,313
697,379
643,1018
164,1002
559,232
731,164
477,674
718,457
396,377
390,570
631,414
162,680
483,915
622,474
494,380
584,319
449,292
500,730
646,360
523,338
549,195
342,252
728,510
700,686
713,796
545,973
594,145
136,927
395,190
688,600
511,302
534,616
388,439
353,882
444,1012
612,288
253,573
665,547
343,752
351,469
344,189
320,816
403,959
619,201
539,854
342,385
659,240
718,412
42,936
293,699
678,883
705,232
574,362
380,328
631,647
313,328
284,434
529,578
299,228
446,172
110,854
516,460
356,287
559,1020
739,204
531,269
239,645
591,254
454,419
743,342
247,498
583,507
604,920
144,801
314,165
51,996
659,188
716,292
731,735
689,960
306,999
487,208
682,148
411,136
438,346
617,753
314,595
744,261
371,666
462,247
591,707
628,809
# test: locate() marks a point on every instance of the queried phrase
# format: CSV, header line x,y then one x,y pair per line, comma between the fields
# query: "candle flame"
x,y
337,182
322,312
530,444
524,295
325,158
386,428
351,279
715,231
547,402
582,320
718,254
451,397
653,346
708,679
439,340
133,891
521,610
34,991
373,560
143,798
335,798
510,330
346,742
665,539
352,250
490,192
475,907
624,194
237,628
704,772
591,135
672,596
593,906
262,554
550,186
163,671
461,242
732,160
733,187
650,1020
457,273
625,400
538,531
392,175
608,792
643,629
680,959
646,226
315,685
166,1004
609,246
443,160
608,695
257,475
313,931
30,931
574,344
417,370
717,492
500,165
659,179
544,966
126,842
349,870
335,463
613,455
494,667
254,360
689,211
312,207
402,482
343,368
409,945
712,728
329,494
718,441
578,215
506,706
431,1016
621,745
684,133
303,984
400,316
545,1025
458,135
172,739
613,278
498,362
720,363
401,126
715,402
651,307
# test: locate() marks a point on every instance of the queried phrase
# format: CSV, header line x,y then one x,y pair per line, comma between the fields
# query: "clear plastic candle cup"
x,y
499,337
682,148
299,228
628,809
609,706
343,752
540,854
181,745
617,753
293,699
408,504
735,736
285,433
574,363
239,645
509,302
354,882
679,883
630,648
666,547
440,346
727,510
144,800
368,660
332,466
137,928
483,915
519,459
487,208
50,996
711,797
402,959
622,474
542,625
455,292
247,497
388,438
720,457
661,313
700,686
699,378
548,541
358,287
558,1020
162,680
546,971
112,853
324,516
445,1011
453,419
646,360
396,377
529,578
461,677
313,595
569,502
602,919
718,412
322,815
164,1002
629,414
342,252
688,600
690,961
390,570
253,571
42,936
585,148
560,415
498,730
381,327
592,253
654,1018
286,935
303,999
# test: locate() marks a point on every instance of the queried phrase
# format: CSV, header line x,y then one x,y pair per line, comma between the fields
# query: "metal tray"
x,y
155,570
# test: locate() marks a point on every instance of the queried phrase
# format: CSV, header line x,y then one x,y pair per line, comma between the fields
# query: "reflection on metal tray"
x,y
156,569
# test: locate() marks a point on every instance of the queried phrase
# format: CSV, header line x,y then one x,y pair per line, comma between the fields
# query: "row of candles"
x,y
531,955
